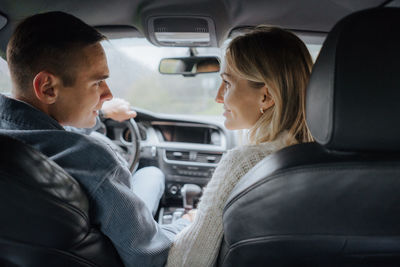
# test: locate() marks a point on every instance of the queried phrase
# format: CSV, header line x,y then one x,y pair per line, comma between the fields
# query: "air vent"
x,y
178,155
208,157
193,156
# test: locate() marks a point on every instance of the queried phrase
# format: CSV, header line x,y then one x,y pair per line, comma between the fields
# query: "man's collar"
x,y
25,116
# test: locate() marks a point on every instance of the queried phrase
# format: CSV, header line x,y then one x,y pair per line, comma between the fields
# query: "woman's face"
x,y
242,103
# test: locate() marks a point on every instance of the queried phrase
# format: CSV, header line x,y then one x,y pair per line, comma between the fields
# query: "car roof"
x,y
123,18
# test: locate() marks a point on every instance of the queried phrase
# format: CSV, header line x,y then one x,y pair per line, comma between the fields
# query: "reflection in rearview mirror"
x,y
189,66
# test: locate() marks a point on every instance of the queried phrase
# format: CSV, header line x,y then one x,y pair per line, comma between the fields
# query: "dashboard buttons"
x,y
153,151
178,213
167,219
173,189
193,173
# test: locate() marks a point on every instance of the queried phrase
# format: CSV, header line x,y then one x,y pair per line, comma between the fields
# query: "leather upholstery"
x,y
44,218
334,202
353,94
307,206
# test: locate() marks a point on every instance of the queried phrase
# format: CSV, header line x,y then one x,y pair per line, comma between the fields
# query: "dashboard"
x,y
186,148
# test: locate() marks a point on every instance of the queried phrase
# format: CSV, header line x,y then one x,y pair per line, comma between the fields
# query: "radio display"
x,y
175,133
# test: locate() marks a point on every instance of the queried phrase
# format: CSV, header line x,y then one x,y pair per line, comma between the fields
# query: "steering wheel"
x,y
131,142
125,140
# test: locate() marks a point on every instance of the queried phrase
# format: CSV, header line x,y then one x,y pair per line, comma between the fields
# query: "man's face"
x,y
78,105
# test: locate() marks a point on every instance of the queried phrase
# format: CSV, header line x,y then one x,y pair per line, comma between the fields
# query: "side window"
x,y
314,50
5,80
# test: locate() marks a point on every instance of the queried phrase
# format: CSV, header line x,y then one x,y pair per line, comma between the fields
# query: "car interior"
x,y
332,202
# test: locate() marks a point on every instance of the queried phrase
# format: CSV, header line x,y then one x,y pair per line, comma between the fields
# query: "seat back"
x,y
44,218
334,202
305,206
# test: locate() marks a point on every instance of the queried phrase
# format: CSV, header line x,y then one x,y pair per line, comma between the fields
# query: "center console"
x,y
188,154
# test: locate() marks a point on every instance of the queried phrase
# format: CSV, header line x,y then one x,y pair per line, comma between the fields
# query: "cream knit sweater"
x,y
198,244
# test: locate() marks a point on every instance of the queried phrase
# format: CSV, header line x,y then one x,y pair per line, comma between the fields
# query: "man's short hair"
x,y
51,42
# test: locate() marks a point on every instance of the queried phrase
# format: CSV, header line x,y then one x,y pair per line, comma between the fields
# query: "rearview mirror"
x,y
189,66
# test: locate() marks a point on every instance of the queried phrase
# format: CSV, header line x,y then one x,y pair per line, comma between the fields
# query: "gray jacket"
x,y
120,214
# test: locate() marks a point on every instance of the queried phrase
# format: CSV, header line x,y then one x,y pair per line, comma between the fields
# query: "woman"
x,y
263,90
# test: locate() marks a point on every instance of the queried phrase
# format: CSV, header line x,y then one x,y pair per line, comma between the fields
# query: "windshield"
x,y
134,76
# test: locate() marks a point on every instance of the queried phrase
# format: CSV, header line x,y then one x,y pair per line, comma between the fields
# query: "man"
x,y
58,70
148,182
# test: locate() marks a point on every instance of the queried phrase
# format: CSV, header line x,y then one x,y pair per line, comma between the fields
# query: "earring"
x,y
262,111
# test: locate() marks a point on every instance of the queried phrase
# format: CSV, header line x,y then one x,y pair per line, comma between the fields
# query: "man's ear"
x,y
45,86
266,101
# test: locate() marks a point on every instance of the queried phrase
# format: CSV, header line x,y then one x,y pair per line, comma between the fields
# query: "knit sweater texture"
x,y
198,244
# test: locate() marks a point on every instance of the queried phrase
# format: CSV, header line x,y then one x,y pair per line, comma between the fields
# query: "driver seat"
x,y
335,202
44,218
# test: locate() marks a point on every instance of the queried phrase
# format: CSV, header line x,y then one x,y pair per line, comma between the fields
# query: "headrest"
x,y
353,97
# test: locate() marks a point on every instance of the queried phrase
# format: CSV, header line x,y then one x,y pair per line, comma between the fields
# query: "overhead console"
x,y
190,31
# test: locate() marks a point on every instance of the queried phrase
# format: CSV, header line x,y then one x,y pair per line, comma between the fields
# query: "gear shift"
x,y
189,193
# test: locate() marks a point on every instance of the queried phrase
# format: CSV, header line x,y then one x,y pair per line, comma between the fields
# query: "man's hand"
x,y
118,109
190,215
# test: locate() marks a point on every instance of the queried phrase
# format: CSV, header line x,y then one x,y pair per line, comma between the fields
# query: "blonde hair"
x,y
278,59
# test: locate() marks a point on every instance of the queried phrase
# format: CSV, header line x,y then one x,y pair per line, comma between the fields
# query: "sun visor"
x,y
117,32
182,31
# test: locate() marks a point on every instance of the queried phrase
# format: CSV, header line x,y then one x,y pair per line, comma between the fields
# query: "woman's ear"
x,y
45,86
267,100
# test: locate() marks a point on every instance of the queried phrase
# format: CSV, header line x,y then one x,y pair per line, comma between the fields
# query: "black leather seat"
x,y
335,202
44,214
